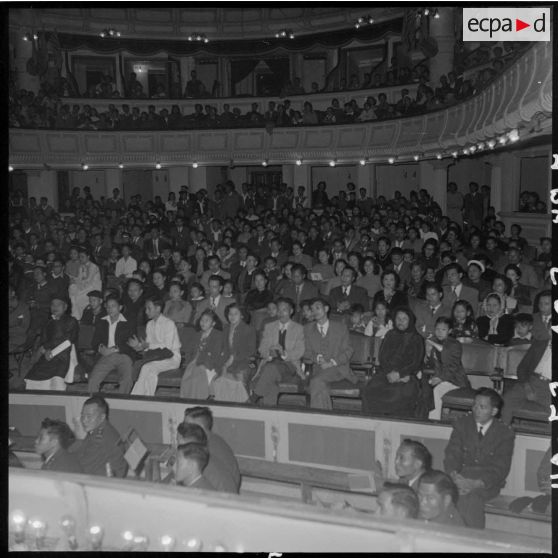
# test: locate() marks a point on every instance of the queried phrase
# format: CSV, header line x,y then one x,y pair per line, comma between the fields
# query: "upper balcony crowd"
x,y
48,109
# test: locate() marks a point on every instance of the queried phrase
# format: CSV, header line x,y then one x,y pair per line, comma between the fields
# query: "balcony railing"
x,y
520,98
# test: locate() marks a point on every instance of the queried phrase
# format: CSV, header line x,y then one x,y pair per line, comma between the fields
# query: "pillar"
x,y
197,179
23,50
433,177
442,30
178,176
365,178
509,166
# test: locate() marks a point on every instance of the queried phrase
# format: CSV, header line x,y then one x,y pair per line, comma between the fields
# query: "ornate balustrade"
x,y
521,98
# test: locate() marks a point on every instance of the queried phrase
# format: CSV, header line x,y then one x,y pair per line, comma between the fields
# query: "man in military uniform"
x,y
52,445
478,456
101,452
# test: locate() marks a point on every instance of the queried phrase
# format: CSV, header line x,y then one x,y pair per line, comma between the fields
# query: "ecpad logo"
x,y
506,24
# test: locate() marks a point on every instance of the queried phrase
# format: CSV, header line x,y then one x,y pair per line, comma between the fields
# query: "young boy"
x,y
523,329
356,318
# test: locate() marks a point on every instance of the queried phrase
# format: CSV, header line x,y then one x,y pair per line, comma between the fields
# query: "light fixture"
x,y
38,527
514,135
391,160
466,151
438,155
157,165
502,140
416,157
68,524
219,547
480,146
426,11
264,163
332,163
284,34
491,143
120,166
128,538
199,37
364,20
194,165
10,168
141,543
473,148
18,524
454,154
362,162
436,14
96,533
193,545
298,162
167,543
84,166
109,33
30,37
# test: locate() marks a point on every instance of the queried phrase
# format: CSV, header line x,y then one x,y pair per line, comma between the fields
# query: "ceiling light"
x,y
362,162
30,37
466,151
480,146
426,11
84,166
157,165
264,163
298,162
454,154
502,140
120,166
438,155
332,163
473,148
514,135
284,33
391,160
109,32
199,37
195,165
10,168
436,14
416,157
491,143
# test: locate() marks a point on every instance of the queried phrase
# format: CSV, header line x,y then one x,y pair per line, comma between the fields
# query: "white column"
x,y
197,179
496,184
510,169
442,29
160,181
287,172
365,178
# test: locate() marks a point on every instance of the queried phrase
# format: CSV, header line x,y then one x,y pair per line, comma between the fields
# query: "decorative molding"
x,y
511,102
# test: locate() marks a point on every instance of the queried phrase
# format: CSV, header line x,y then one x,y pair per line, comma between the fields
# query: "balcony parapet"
x,y
521,98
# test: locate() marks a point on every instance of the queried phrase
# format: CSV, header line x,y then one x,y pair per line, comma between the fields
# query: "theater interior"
x,y
318,240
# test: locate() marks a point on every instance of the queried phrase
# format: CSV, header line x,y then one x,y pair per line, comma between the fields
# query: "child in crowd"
x,y
378,326
356,318
306,312
523,327
197,294
464,327
228,291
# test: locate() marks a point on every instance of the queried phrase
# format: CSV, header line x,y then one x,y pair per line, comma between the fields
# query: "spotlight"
x,y
120,166
298,162
363,162
416,157
264,163
332,163
157,165
195,165
438,155
10,168
391,160
514,135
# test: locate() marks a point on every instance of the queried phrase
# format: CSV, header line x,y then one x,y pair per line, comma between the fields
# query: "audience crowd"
x,y
241,292
48,109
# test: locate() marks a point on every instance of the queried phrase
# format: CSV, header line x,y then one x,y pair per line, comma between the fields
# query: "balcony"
x,y
521,98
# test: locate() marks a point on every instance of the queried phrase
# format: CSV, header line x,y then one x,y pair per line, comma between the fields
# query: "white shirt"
x,y
323,328
161,333
125,266
214,301
457,289
485,427
346,290
112,328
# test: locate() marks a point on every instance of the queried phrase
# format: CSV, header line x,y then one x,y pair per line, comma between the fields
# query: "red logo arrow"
x,y
519,25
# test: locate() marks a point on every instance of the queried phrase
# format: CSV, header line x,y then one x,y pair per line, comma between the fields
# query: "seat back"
x,y
514,355
85,337
361,344
186,335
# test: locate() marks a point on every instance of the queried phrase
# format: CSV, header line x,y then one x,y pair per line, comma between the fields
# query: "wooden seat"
x,y
460,400
531,418
170,378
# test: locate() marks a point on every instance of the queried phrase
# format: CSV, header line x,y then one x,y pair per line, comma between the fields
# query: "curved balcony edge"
x,y
519,99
